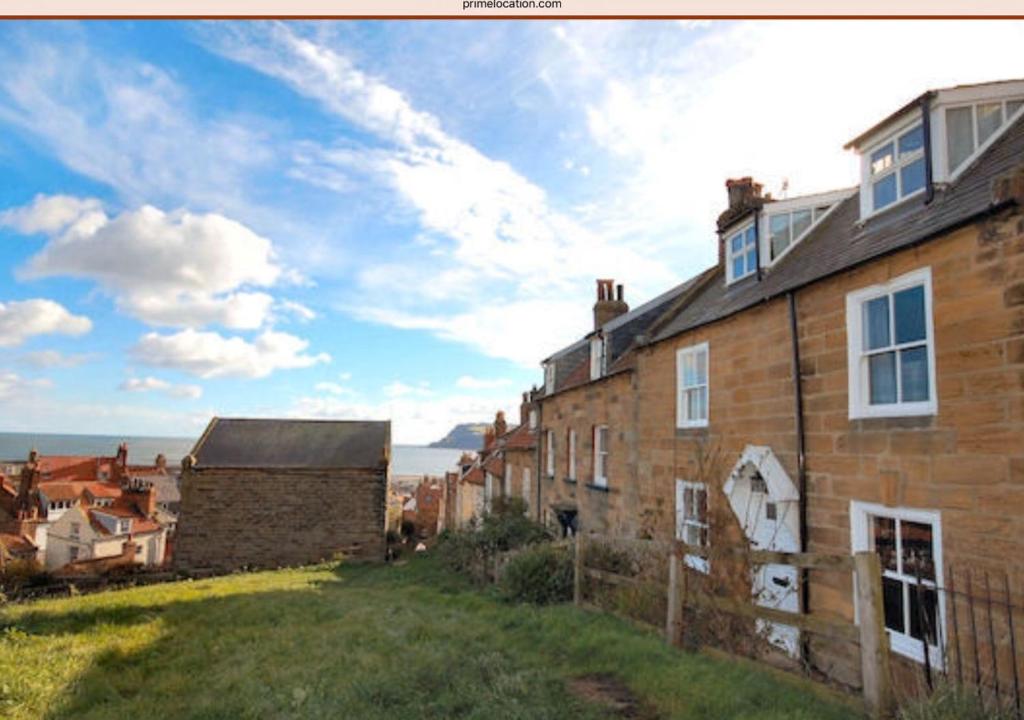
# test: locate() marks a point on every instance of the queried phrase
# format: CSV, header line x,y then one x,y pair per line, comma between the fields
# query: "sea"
x,y
405,459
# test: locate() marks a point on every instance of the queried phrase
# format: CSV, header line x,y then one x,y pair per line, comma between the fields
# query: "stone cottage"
x,y
264,492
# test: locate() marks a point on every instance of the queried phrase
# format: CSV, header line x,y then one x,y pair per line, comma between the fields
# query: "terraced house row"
x,y
848,376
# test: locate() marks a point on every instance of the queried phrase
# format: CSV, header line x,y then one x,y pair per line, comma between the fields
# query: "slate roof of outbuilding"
x,y
841,241
295,444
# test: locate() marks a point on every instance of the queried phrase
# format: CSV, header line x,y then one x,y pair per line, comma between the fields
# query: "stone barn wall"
x,y
232,518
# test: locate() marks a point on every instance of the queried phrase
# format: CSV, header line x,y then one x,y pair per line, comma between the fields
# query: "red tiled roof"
x,y
521,438
474,476
73,467
495,465
61,490
103,490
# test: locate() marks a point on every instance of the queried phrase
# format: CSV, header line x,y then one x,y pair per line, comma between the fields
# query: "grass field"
x,y
406,641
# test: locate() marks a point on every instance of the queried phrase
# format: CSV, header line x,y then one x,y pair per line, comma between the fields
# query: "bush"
x,y
506,527
540,574
950,702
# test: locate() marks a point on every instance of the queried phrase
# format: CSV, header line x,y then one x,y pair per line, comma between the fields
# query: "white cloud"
x,y
468,382
414,420
333,388
399,389
14,387
211,355
53,358
176,269
296,309
147,384
128,124
21,319
488,223
49,213
775,100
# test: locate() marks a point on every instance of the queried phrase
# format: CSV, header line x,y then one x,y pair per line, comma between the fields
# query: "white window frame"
x,y
533,419
549,378
1008,118
730,255
601,455
861,540
598,357
899,162
526,487
571,442
508,480
682,421
549,452
488,491
682,521
857,359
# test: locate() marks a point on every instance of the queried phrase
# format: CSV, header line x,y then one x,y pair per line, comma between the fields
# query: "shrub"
x,y
950,702
540,574
506,527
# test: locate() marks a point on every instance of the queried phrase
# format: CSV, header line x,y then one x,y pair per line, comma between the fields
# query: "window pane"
x,y
736,242
990,117
701,359
1013,106
689,370
801,221
751,261
751,236
912,177
892,599
737,267
918,551
694,410
884,536
882,159
922,612
884,191
911,141
876,323
908,307
692,535
701,499
779,232
959,136
702,403
882,372
688,503
914,374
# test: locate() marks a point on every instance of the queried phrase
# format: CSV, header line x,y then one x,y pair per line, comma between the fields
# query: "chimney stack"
x,y
744,196
524,409
161,462
500,426
608,305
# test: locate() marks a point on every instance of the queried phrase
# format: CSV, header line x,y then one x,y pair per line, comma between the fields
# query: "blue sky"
x,y
391,219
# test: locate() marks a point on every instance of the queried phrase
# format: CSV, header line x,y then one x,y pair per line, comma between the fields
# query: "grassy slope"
x,y
380,642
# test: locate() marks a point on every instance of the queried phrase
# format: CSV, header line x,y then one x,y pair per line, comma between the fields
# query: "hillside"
x,y
397,641
466,436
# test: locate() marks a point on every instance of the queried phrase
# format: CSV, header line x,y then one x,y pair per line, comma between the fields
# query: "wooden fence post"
x,y
673,621
874,641
577,577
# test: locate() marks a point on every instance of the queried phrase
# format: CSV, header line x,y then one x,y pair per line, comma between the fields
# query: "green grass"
x,y
355,642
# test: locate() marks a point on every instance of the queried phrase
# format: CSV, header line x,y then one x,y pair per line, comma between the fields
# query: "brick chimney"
x,y
488,436
161,462
500,426
609,303
524,409
744,196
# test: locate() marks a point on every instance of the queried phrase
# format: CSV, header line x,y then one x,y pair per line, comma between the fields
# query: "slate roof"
x,y
297,444
841,241
572,363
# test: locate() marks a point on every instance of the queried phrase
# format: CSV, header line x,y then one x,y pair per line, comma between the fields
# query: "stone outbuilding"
x,y
266,493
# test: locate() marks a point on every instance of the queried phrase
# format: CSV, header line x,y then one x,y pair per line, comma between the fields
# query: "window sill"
x,y
571,481
599,488
909,410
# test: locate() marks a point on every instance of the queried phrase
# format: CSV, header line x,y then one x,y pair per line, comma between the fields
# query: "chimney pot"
x,y
607,306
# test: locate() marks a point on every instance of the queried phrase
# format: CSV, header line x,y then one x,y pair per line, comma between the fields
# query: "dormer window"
x,y
741,252
549,378
897,168
969,127
598,357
